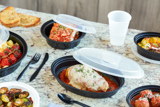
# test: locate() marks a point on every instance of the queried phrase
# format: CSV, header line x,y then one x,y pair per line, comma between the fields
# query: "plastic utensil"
x,y
118,26
34,60
65,98
39,68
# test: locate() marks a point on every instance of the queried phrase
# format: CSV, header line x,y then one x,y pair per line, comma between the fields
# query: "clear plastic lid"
x,y
109,62
4,35
74,23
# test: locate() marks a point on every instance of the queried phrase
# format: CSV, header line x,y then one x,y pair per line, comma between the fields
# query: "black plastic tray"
x,y
16,39
151,55
153,88
45,31
65,62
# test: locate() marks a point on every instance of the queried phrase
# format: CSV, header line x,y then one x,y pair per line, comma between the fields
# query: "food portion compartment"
x,y
148,44
15,97
65,62
50,36
145,96
11,57
23,93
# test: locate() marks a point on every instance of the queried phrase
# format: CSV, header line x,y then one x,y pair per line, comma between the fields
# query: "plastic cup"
x,y
118,26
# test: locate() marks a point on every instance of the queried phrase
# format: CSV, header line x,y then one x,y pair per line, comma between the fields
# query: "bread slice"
x,y
9,17
28,20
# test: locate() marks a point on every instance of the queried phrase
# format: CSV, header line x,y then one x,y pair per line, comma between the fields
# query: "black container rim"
x,y
138,36
45,36
69,57
25,49
141,88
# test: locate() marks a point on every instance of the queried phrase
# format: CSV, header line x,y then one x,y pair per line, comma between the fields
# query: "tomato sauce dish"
x,y
90,83
12,53
85,78
63,34
60,37
145,96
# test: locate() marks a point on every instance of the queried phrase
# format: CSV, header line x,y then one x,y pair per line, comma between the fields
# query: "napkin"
x,y
54,105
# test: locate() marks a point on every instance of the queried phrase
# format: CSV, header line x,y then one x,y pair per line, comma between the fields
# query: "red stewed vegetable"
x,y
9,53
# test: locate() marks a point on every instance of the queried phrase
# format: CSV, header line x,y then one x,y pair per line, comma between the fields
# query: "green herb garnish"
x,y
93,84
64,27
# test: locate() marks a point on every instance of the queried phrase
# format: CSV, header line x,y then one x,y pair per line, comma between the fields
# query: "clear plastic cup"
x,y
118,26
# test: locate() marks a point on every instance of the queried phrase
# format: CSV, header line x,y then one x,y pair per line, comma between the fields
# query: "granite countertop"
x,y
46,84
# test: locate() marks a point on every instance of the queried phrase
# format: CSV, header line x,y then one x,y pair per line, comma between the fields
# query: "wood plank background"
x,y
145,13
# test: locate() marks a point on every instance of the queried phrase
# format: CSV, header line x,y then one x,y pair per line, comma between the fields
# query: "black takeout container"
x,y
63,63
45,31
16,39
138,38
153,88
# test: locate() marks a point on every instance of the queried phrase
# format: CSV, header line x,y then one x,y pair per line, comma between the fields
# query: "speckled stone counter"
x,y
48,87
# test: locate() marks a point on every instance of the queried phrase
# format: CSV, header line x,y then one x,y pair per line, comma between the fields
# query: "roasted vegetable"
x,y
14,90
18,102
27,104
2,106
9,104
3,90
5,98
1,102
23,94
151,43
14,98
25,99
11,97
145,41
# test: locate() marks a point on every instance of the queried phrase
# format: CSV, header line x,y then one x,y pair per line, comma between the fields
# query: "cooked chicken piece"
x,y
83,77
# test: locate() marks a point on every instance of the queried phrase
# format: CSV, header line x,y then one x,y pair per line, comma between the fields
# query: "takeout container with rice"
x,y
94,73
65,31
148,45
13,49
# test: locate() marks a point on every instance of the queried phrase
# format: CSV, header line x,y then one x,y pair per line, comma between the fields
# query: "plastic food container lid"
x,y
74,23
4,35
109,62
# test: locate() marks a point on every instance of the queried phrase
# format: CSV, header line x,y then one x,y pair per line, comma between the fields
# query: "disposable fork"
x,y
34,60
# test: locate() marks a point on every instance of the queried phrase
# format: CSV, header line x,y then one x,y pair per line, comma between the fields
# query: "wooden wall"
x,y
145,13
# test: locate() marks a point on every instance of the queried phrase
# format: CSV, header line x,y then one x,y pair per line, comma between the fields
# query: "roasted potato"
x,y
10,43
145,41
152,40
